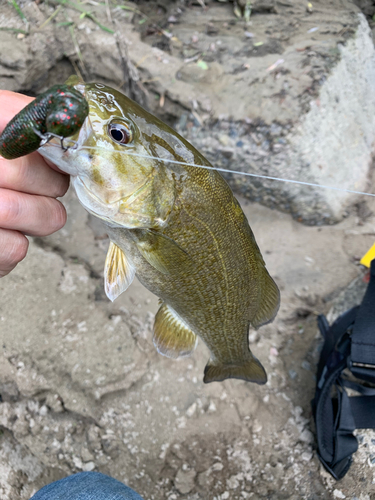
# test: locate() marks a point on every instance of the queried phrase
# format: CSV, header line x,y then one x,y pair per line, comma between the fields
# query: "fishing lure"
x,y
58,112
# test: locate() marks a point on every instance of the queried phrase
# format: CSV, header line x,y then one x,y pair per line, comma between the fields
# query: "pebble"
x,y
306,456
212,407
184,481
77,462
306,436
43,411
253,336
292,374
88,467
371,460
227,152
257,426
191,410
306,365
224,139
274,351
217,466
338,494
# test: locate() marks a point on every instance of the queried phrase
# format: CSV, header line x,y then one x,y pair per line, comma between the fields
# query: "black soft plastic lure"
x,y
60,111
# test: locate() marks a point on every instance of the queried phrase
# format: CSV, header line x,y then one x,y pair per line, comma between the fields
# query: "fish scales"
x,y
198,292
178,228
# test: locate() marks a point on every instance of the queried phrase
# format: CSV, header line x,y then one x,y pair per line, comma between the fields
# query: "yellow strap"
x,y
368,257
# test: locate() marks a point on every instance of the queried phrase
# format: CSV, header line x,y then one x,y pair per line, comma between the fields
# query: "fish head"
x,y
117,163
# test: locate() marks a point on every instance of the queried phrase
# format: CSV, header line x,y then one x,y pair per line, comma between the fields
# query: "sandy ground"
x,y
84,389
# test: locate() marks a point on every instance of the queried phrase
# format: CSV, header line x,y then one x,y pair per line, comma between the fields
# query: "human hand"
x,y
29,187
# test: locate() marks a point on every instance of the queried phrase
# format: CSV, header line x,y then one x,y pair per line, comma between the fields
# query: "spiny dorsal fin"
x,y
118,272
172,337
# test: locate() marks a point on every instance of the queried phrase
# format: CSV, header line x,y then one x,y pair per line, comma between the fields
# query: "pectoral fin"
x,y
250,370
172,337
118,272
161,252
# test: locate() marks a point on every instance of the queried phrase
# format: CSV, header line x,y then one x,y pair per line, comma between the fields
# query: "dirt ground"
x,y
82,386
84,389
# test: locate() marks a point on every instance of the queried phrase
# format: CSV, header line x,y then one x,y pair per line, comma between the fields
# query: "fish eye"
x,y
120,133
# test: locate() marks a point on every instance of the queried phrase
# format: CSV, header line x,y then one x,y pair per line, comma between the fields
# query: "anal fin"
x,y
172,337
250,370
118,272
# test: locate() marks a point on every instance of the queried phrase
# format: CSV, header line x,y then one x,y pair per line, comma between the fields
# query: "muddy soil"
x,y
81,384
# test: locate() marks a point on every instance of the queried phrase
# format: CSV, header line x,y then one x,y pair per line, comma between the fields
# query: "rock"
x,y
21,471
342,160
306,456
9,391
306,365
306,436
184,480
54,401
338,494
351,296
297,96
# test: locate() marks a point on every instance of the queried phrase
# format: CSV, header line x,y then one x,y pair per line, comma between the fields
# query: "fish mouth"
x,y
61,150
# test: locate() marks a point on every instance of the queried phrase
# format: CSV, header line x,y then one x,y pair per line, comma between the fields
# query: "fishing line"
x,y
311,184
248,174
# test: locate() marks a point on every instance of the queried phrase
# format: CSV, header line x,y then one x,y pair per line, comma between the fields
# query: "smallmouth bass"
x,y
177,227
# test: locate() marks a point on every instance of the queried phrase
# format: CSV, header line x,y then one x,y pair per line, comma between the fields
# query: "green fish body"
x,y
177,227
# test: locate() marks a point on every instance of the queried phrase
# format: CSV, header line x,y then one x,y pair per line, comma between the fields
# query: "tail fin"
x,y
250,370
269,302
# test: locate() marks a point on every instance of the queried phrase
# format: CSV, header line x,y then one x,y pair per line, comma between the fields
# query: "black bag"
x,y
349,343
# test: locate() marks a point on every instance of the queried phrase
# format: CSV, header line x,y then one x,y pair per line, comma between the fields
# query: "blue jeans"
x,y
86,486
